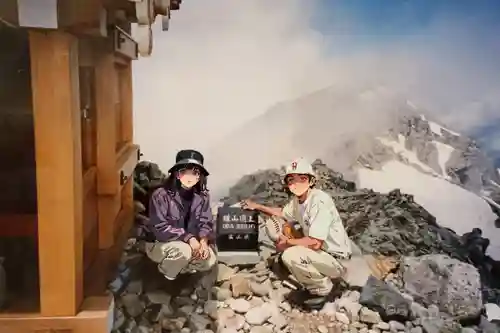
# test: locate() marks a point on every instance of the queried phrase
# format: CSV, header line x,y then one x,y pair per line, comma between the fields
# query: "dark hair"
x,y
286,189
172,184
312,180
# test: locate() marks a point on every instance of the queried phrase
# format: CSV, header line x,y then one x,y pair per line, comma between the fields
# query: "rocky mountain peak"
x,y
436,150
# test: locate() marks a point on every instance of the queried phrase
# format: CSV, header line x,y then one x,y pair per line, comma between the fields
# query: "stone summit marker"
x,y
237,232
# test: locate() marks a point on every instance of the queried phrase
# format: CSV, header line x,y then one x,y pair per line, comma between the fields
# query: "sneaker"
x,y
316,302
306,300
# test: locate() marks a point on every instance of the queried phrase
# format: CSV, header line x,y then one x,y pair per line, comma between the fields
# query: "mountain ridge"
x,y
380,140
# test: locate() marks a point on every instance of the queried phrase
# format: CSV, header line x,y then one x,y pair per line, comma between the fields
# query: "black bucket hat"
x,y
189,157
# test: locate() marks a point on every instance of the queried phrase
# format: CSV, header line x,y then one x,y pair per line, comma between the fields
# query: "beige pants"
x,y
314,270
175,257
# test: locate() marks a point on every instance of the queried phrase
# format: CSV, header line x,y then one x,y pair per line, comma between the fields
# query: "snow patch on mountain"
x,y
439,130
454,207
444,155
398,147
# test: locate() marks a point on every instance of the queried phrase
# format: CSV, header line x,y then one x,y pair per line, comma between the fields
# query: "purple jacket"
x,y
166,217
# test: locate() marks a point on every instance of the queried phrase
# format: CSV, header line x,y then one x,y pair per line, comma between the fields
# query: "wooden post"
x,y
127,103
54,68
127,124
107,180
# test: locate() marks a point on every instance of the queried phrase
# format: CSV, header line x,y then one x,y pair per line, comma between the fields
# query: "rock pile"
x,y
390,224
435,289
255,300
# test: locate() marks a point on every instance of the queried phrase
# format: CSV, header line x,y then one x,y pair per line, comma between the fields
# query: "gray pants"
x,y
175,257
312,269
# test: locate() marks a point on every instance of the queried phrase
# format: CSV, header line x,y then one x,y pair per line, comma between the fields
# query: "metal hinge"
x,y
123,178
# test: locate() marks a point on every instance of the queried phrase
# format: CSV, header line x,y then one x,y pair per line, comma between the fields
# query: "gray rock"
x,y
221,294
440,325
239,305
433,311
116,285
261,329
159,297
285,306
211,308
228,330
198,322
396,326
258,315
130,326
173,324
488,327
454,286
133,304
352,310
418,310
342,317
224,273
261,289
368,316
278,320
134,287
322,329
378,296
383,326
222,315
329,309
237,322
119,319
468,330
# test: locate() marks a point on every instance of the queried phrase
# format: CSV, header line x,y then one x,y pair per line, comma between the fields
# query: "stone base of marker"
x,y
232,258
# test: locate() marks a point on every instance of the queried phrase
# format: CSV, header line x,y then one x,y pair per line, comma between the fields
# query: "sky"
x,y
382,20
223,63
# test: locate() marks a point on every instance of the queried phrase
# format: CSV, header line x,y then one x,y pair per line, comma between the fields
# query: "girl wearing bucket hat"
x,y
181,220
315,256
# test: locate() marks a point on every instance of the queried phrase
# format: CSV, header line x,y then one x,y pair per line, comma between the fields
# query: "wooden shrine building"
x,y
67,156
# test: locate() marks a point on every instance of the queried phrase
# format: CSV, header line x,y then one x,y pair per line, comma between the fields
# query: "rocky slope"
x,y
439,285
379,140
390,224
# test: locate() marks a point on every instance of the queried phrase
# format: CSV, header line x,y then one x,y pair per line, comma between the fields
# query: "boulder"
x,y
454,286
380,297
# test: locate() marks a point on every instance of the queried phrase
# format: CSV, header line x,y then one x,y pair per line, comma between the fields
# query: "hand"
x,y
282,239
204,250
195,246
248,204
282,243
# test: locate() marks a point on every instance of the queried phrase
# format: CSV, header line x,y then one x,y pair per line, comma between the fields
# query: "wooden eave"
x,y
77,13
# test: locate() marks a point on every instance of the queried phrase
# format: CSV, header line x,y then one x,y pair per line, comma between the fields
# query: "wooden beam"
x,y
8,12
83,17
96,314
106,98
107,180
54,70
125,75
108,207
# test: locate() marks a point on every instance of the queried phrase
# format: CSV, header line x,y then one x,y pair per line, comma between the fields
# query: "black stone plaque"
x,y
237,229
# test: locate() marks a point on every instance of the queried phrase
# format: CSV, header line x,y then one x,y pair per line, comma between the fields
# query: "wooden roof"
x,y
91,17
54,14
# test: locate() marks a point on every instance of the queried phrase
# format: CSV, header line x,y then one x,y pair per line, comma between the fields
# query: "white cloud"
x,y
225,62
